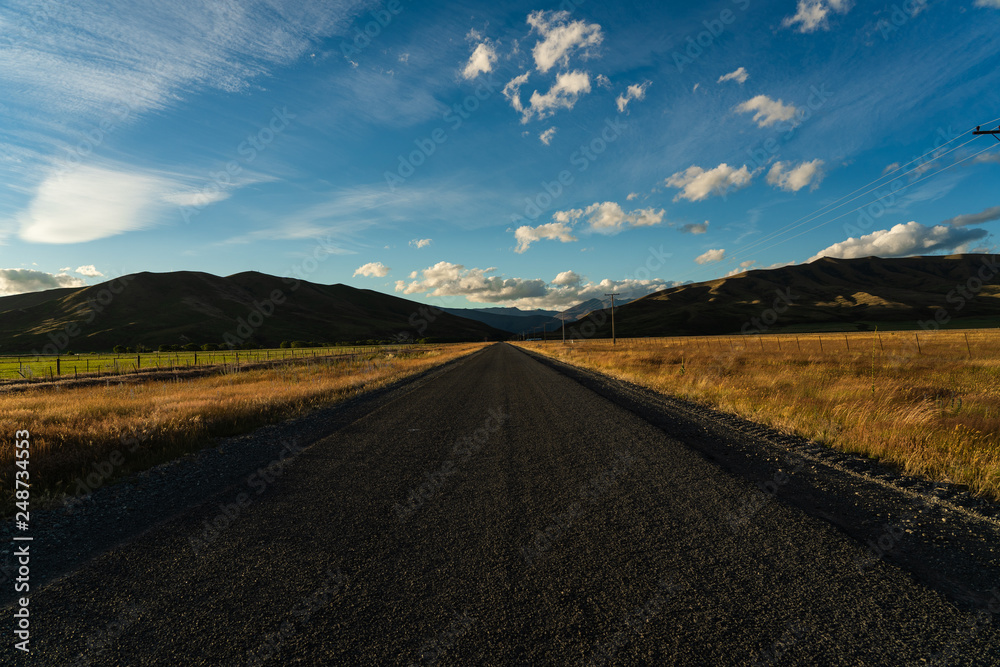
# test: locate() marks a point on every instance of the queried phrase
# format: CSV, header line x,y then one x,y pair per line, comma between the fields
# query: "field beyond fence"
x,y
926,402
44,367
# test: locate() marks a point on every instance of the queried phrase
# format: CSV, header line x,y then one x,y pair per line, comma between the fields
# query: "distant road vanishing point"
x,y
507,513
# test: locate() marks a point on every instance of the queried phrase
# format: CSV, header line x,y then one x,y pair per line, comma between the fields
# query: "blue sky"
x,y
527,154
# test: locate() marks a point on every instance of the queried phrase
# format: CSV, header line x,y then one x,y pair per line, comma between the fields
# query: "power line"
x,y
824,210
954,164
820,213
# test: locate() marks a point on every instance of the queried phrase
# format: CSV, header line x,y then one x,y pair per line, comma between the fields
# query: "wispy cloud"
x,y
636,91
739,76
547,135
71,59
812,15
420,243
989,215
346,212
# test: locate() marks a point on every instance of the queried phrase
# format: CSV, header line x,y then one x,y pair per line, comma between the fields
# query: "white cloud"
x,y
373,270
420,243
631,196
715,255
904,240
811,15
700,228
90,203
742,268
767,111
567,279
793,179
20,281
512,91
445,279
989,215
563,94
739,76
637,91
608,217
891,168
90,271
602,81
481,61
547,135
526,235
697,184
995,4
561,37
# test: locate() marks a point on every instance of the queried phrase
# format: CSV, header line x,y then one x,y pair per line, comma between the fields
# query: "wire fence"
x,y
972,343
42,367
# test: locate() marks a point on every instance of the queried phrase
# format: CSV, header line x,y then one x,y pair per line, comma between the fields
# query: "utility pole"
x,y
613,295
993,132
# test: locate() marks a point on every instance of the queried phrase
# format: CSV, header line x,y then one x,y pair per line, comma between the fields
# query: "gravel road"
x,y
509,510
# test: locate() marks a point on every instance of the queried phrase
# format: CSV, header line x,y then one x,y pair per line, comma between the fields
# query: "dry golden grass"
x,y
933,413
131,427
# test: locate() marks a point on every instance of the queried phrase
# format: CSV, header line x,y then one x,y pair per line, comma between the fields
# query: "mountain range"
x,y
255,309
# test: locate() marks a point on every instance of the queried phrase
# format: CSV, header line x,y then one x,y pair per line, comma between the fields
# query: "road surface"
x,y
503,514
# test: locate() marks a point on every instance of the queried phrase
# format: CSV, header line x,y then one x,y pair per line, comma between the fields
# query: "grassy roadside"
x,y
932,412
102,433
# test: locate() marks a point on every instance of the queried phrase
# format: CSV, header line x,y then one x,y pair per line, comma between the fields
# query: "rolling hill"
x,y
506,321
153,309
517,321
827,294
